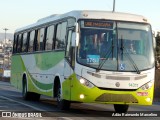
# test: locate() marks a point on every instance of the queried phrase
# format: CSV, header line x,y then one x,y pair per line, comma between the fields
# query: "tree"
x,y
157,49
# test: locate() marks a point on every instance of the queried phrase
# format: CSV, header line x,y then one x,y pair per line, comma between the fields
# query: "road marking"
x,y
35,108
65,118
38,109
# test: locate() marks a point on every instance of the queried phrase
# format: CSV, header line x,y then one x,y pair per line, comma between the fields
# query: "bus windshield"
x,y
117,46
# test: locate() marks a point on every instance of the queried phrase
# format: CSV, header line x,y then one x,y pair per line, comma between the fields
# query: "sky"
x,y
18,13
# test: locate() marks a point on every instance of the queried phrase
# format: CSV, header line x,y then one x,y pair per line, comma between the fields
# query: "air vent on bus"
x,y
126,98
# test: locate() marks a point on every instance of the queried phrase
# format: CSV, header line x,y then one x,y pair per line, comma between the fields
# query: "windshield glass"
x,y
118,46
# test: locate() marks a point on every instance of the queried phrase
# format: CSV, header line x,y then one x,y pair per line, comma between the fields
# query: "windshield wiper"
x,y
110,50
121,48
129,57
132,61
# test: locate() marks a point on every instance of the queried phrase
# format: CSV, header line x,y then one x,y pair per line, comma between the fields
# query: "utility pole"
x,y
5,29
114,2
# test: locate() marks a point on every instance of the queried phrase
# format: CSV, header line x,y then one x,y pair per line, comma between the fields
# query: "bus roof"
x,y
88,14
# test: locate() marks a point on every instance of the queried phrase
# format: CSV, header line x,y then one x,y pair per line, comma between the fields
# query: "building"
x,y
5,54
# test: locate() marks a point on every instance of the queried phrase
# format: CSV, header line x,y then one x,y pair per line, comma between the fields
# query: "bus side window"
x,y
15,43
49,38
24,45
68,48
31,41
19,44
60,36
70,51
63,34
40,39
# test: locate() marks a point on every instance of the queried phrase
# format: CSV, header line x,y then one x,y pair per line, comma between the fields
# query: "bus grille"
x,y
126,98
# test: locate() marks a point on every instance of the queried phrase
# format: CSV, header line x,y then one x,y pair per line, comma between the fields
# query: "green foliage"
x,y
157,50
158,40
158,44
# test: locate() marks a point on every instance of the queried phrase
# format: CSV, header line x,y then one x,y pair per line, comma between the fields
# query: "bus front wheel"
x,y
121,108
62,104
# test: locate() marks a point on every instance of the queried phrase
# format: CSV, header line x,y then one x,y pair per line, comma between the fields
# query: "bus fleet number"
x,y
133,85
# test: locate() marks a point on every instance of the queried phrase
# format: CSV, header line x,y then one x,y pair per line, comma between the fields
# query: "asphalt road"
x,y
12,106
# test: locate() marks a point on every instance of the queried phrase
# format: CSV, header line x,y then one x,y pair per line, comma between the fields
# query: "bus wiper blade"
x,y
132,61
110,50
122,48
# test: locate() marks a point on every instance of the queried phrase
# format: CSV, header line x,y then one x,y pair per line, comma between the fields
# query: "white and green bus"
x,y
86,57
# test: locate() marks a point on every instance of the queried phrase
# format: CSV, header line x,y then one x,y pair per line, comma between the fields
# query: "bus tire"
x,y
119,108
61,103
35,96
25,94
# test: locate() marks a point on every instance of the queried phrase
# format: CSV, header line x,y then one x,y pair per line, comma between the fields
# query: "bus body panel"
x,y
42,86
41,70
96,95
130,93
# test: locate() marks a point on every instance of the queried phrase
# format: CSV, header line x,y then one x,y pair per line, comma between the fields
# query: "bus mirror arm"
x,y
75,39
154,42
76,28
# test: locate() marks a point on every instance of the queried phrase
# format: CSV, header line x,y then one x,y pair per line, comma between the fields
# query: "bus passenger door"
x,y
68,66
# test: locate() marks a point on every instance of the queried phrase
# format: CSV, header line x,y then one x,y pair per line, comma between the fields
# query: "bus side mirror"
x,y
75,39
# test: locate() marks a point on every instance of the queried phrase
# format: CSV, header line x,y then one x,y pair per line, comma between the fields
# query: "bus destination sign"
x,y
100,24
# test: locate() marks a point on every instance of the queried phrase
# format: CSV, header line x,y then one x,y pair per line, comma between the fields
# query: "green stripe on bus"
x,y
40,85
48,60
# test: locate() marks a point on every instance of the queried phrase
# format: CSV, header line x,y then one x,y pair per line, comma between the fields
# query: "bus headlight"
x,y
85,82
147,86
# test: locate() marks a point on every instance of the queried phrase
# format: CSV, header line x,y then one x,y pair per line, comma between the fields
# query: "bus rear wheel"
x,y
25,93
121,108
61,103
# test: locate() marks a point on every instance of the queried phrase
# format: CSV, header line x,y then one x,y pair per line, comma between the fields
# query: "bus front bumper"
x,y
80,93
